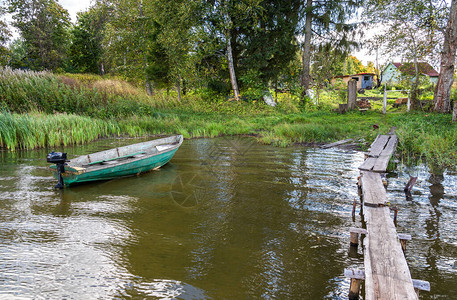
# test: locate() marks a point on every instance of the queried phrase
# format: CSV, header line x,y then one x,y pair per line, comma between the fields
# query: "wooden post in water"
x,y
356,277
404,238
354,289
352,94
355,235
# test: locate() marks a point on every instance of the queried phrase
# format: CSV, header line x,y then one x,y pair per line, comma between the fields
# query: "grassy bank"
x,y
42,109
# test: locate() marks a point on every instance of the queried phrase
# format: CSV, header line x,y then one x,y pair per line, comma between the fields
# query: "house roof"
x,y
409,69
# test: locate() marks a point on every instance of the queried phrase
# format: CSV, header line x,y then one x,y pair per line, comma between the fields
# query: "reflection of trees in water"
x,y
432,223
258,232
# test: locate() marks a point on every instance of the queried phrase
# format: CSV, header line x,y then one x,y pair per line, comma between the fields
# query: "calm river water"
x,y
226,219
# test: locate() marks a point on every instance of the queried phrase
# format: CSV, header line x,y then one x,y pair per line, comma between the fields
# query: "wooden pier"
x,y
386,273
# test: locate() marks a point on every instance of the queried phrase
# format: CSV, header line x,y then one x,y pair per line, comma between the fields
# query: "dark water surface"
x,y
226,219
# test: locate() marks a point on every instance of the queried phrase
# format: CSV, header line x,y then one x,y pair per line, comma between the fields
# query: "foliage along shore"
x,y
47,110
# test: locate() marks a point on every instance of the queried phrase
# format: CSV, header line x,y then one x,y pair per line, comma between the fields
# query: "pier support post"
x,y
395,210
352,94
356,277
404,238
355,235
354,289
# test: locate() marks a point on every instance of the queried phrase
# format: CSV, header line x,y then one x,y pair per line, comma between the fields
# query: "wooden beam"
x,y
358,230
421,285
336,144
354,273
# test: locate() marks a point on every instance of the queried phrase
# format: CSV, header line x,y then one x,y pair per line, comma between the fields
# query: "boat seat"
x,y
163,147
115,158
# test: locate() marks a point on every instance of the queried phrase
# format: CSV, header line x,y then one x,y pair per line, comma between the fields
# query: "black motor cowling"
x,y
60,159
57,157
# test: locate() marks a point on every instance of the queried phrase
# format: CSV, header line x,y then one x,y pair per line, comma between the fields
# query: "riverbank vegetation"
x,y
40,109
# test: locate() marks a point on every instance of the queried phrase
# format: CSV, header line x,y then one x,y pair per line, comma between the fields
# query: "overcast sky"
x,y
75,6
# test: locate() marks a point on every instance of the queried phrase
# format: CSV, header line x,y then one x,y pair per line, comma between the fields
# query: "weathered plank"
x,y
404,236
373,189
420,285
382,162
378,145
387,274
391,146
368,164
358,230
354,273
336,144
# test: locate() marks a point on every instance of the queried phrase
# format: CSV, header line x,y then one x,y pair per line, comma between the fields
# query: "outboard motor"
x,y
60,160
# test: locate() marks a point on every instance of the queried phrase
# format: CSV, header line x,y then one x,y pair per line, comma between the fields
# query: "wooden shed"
x,y
364,80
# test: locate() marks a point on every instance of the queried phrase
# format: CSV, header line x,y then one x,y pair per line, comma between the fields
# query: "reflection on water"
x,y
228,218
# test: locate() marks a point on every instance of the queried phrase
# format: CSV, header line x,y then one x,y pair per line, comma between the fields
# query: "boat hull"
x,y
121,165
127,169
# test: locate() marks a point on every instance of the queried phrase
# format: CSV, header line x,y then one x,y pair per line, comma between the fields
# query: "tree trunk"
x,y
442,94
148,86
179,88
344,66
378,74
414,92
149,90
454,114
276,91
306,78
231,66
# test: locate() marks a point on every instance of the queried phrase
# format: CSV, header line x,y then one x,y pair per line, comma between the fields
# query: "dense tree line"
x,y
220,46
226,46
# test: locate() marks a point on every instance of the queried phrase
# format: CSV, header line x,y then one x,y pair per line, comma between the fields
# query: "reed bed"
x,y
36,130
26,91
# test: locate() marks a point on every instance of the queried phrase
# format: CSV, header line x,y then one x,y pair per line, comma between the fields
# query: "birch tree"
x,y
221,16
442,94
412,32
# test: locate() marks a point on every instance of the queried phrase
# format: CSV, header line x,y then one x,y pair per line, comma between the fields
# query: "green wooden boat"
x,y
118,162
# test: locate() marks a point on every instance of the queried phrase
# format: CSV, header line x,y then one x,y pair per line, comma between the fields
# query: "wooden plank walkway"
x,y
380,153
387,275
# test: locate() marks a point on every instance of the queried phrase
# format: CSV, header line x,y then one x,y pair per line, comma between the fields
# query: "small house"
x,y
364,80
394,71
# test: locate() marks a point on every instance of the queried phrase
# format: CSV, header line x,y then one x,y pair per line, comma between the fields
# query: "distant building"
x,y
393,72
364,80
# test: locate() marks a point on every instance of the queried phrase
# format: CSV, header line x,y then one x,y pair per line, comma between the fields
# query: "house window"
x,y
366,78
